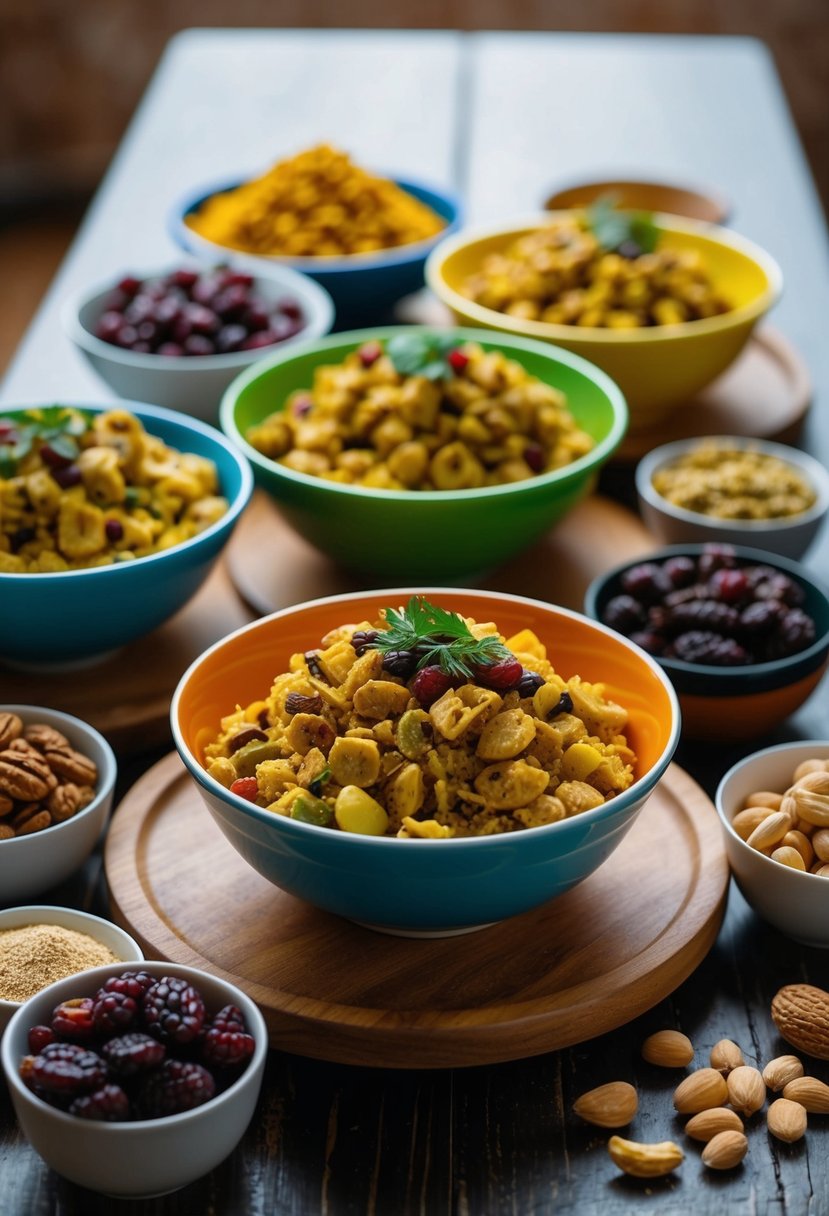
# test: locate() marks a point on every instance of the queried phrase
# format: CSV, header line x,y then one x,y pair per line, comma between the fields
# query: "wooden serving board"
x,y
127,695
766,393
273,567
580,966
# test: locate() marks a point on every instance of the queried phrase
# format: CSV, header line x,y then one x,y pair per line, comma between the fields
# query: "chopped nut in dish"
x,y
423,413
316,204
43,779
602,268
82,489
792,827
734,483
425,725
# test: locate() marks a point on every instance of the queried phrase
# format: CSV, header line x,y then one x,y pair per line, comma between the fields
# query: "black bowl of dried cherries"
x,y
743,634
135,1082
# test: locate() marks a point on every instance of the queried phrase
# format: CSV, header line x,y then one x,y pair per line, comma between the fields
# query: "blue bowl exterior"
x,y
364,291
427,885
707,681
75,615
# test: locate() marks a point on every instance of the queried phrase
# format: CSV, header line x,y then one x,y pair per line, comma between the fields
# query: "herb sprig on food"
x,y
59,426
422,355
438,638
629,233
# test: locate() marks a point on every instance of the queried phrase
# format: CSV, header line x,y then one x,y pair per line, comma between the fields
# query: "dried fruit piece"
x,y
611,1105
709,1123
746,1089
129,1054
725,1151
106,1105
227,1042
668,1049
702,1090
114,1012
67,1068
787,1120
726,1055
812,1094
73,1020
176,1086
645,1160
173,1011
801,1014
779,1071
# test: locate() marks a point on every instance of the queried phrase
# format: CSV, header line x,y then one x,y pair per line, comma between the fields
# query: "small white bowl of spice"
x,y
733,490
57,777
774,808
40,945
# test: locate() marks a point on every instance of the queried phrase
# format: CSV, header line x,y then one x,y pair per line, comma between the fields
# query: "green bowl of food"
x,y
422,453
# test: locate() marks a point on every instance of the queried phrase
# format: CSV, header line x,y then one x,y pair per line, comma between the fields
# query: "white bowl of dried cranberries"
x,y
179,336
135,1081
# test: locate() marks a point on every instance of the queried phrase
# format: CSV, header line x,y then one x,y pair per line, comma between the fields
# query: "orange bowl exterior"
x,y
736,719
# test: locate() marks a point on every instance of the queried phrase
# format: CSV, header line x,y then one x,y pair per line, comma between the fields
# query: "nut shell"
x,y
702,1090
801,1014
725,1151
668,1049
611,1105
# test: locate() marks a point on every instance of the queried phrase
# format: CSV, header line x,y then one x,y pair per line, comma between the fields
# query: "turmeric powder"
x,y
315,204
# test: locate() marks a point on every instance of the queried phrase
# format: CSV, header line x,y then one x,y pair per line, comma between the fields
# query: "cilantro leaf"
x,y
438,637
630,232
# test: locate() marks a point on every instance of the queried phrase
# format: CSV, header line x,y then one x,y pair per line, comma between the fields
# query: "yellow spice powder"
x,y
34,956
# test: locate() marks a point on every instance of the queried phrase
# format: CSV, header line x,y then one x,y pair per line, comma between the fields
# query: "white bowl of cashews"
x,y
774,808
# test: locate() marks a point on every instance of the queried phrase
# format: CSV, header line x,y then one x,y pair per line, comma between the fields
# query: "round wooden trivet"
x,y
579,966
766,393
273,567
127,695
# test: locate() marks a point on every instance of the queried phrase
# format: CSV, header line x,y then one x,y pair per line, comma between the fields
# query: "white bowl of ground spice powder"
x,y
40,945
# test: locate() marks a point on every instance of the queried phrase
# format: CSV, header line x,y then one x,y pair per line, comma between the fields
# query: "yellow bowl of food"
x,y
663,318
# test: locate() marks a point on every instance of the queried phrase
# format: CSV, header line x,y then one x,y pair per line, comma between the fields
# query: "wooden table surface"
x,y
504,118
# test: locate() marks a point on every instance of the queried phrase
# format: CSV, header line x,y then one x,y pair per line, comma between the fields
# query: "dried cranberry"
x,y
715,557
534,457
680,571
457,360
199,344
429,684
649,640
730,586
709,615
171,350
644,582
701,646
174,1087
114,1012
73,1020
172,1009
183,278
40,1037
400,663
369,353
237,278
291,308
245,787
231,302
529,683
624,613
53,458
68,1068
683,595
564,705
129,285
227,1041
363,639
262,337
108,325
780,587
759,618
114,530
68,477
302,405
106,1105
129,1054
502,675
230,338
795,632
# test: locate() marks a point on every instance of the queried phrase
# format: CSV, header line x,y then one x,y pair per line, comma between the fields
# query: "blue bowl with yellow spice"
x,y
423,887
363,286
68,616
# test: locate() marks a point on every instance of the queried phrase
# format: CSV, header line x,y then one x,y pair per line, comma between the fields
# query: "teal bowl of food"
x,y
111,520
513,784
411,453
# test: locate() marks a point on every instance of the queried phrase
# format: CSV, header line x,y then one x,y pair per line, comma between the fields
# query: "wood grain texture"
x,y
127,696
272,566
589,960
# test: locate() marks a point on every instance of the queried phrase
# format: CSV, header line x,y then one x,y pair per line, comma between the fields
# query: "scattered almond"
x,y
726,1150
644,1160
780,1071
668,1049
611,1105
709,1123
702,1090
801,1014
726,1055
812,1094
746,1089
787,1120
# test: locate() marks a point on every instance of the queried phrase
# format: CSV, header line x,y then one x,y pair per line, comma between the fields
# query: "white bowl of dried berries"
x,y
135,1083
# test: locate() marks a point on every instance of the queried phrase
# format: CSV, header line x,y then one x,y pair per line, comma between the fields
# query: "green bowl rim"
x,y
585,464
598,335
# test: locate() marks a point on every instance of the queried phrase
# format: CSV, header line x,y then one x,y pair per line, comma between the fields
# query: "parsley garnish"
x,y
627,232
438,638
422,354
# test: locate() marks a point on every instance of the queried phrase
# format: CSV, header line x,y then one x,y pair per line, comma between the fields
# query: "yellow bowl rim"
x,y
595,334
